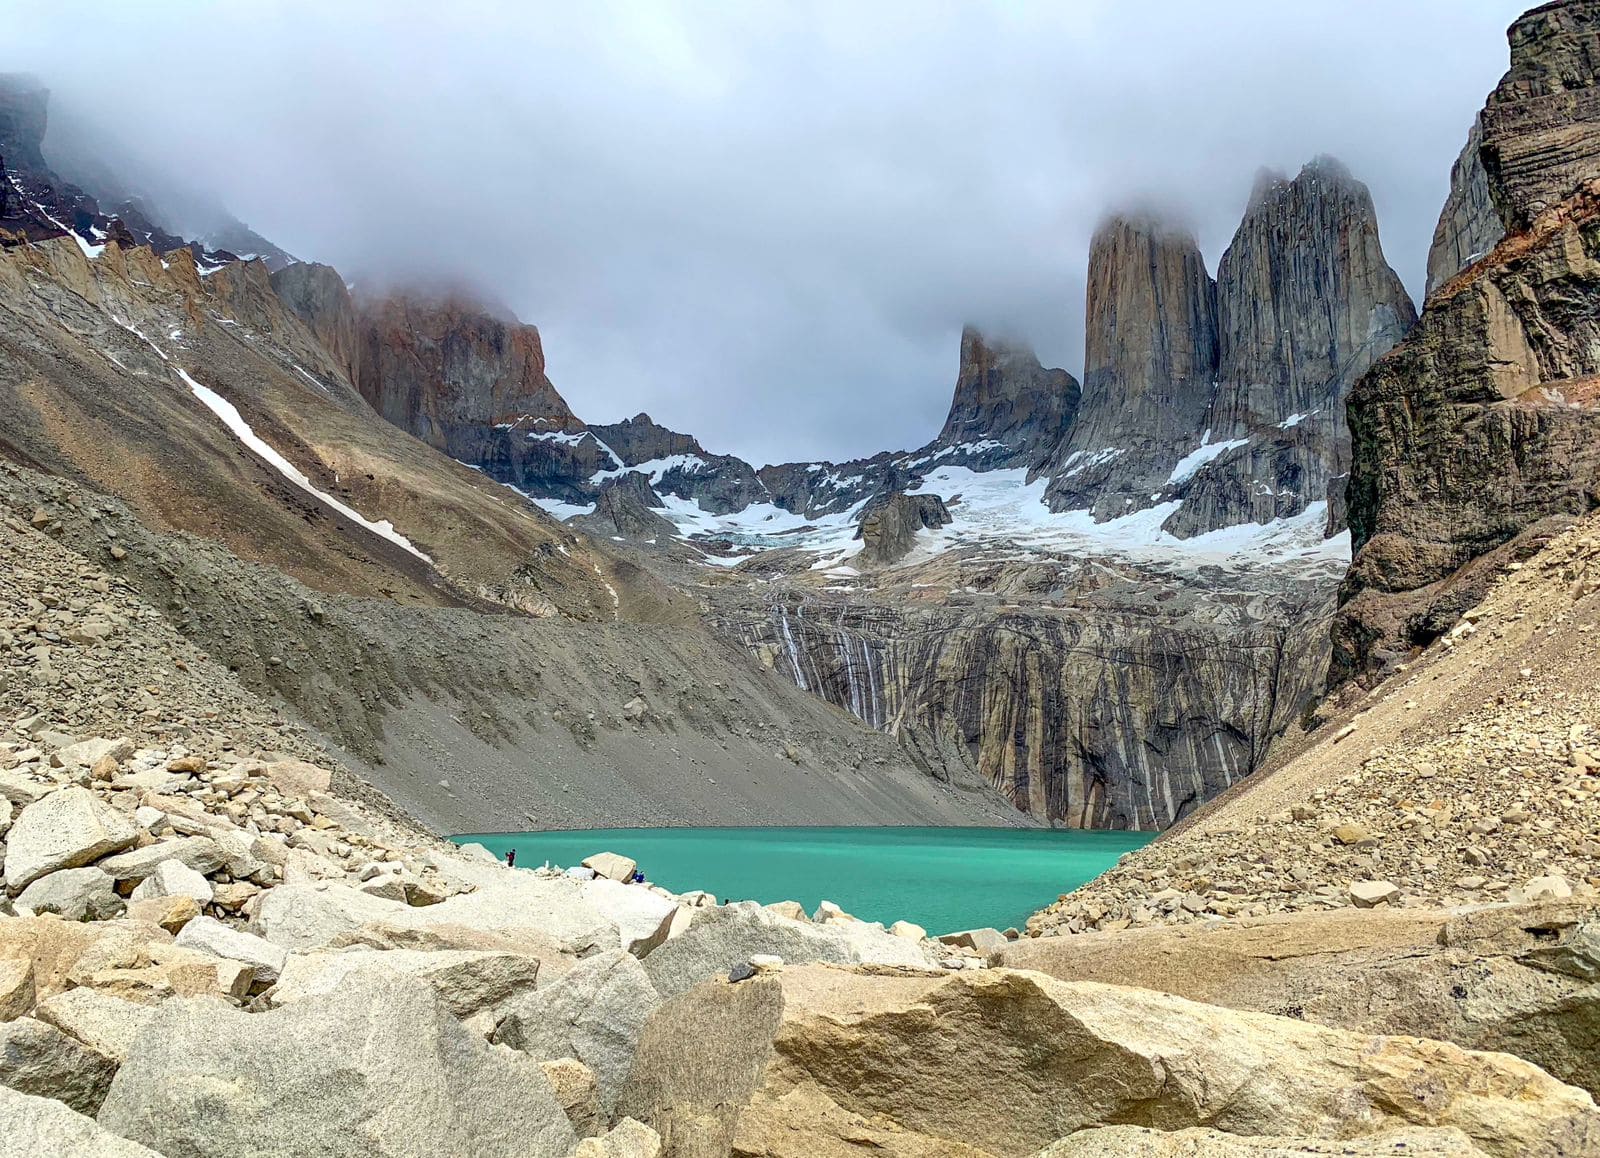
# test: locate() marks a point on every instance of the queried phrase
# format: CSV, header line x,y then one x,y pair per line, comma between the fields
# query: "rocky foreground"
x,y
209,947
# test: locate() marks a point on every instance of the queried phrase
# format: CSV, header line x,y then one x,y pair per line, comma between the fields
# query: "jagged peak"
x,y
1323,173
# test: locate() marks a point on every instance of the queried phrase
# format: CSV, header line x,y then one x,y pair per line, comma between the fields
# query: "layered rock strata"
x,y
1087,695
1485,423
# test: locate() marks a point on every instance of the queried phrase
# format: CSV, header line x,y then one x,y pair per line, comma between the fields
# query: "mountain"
x,y
1176,517
1481,432
203,432
1150,358
37,203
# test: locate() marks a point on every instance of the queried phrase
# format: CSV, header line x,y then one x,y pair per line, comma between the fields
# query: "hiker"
x,y
511,858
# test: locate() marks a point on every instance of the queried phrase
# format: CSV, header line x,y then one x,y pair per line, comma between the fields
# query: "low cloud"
x,y
764,224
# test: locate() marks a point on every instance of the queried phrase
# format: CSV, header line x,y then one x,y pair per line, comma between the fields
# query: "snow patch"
x,y
1197,458
656,468
235,422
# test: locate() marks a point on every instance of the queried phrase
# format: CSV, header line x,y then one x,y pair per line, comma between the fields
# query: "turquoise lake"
x,y
941,878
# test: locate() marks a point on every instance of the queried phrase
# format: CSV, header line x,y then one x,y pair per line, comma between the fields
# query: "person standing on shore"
x,y
511,858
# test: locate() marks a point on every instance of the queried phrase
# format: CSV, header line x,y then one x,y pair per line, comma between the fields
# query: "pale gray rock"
x,y
612,866
68,828
173,879
1468,225
306,917
86,753
379,1067
630,1138
33,1127
100,1021
721,938
209,935
199,853
20,790
1198,1142
16,987
595,1014
469,982
39,1059
80,894
643,918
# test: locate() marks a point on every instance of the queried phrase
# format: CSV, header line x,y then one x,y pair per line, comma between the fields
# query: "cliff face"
x,y
1225,399
1150,359
1469,226
1088,695
316,294
1485,423
469,380
1004,396
1305,303
1539,138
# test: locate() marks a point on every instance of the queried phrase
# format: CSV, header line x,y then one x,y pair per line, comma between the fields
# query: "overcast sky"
x,y
765,223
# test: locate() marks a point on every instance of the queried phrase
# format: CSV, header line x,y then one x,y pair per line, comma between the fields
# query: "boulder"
x,y
794,910
1197,1142
378,1067
7,811
171,913
595,1014
199,853
306,917
578,1094
908,930
39,1059
628,1139
20,790
171,878
16,987
732,934
211,936
100,1021
297,778
980,940
1013,1060
31,1127
1512,978
80,894
68,828
59,954
87,753
643,918
612,866
468,982
1366,894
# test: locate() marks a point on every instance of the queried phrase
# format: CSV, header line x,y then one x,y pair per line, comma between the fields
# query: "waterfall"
x,y
794,650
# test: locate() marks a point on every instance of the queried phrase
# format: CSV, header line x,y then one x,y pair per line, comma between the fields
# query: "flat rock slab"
x,y
377,1068
726,1061
69,828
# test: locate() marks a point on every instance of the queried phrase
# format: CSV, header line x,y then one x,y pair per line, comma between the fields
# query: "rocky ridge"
x,y
1481,426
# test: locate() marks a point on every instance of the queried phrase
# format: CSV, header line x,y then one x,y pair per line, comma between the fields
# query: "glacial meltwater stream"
x,y
941,878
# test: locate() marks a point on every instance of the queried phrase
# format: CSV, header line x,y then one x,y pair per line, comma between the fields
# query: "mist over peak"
x,y
715,214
